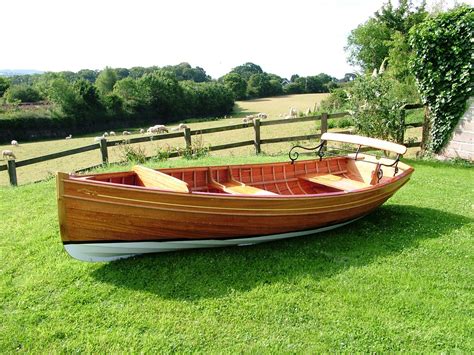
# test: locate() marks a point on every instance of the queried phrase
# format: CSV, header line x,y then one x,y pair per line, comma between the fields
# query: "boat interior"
x,y
305,177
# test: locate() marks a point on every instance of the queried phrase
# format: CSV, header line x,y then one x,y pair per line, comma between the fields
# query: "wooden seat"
x,y
156,179
335,181
239,189
235,187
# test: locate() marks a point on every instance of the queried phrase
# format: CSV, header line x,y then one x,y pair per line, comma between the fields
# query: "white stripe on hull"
x,y
117,250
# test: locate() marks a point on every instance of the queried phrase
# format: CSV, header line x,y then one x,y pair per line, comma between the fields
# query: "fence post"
x,y
401,133
256,127
103,151
12,172
426,130
324,123
187,137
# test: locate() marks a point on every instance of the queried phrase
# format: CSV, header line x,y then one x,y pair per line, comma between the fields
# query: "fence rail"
x,y
188,133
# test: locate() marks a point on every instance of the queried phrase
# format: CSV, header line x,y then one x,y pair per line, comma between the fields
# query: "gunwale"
x,y
407,170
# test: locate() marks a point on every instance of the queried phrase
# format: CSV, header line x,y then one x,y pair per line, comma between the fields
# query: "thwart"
x,y
109,216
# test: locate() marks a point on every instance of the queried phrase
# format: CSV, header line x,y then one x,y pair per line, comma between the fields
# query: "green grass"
x,y
399,279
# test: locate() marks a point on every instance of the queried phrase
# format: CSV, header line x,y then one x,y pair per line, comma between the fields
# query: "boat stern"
x,y
60,178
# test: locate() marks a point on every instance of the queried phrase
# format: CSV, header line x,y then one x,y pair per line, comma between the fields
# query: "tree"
x,y
90,98
163,95
247,70
4,85
315,84
87,74
132,94
106,80
294,88
122,73
294,77
62,93
22,93
236,84
137,72
403,17
367,44
259,85
68,75
384,35
184,71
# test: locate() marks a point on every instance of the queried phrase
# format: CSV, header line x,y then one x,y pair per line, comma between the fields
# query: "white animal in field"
x,y
249,118
126,133
262,115
105,134
98,139
142,131
293,112
15,143
112,133
7,154
69,137
159,128
180,127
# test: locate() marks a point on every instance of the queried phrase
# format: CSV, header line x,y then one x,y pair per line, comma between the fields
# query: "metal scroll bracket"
x,y
319,149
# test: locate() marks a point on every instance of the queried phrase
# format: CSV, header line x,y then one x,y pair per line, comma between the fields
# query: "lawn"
x,y
399,279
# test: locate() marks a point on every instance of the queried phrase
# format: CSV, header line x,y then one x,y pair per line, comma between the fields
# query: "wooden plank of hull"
x,y
119,250
110,227
94,212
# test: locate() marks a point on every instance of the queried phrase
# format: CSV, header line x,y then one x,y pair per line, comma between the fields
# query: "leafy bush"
x,y
236,84
345,122
375,110
162,153
197,149
337,101
131,154
4,85
443,68
22,93
332,124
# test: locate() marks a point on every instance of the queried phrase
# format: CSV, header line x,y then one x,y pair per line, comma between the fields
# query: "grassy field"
x,y
399,279
274,107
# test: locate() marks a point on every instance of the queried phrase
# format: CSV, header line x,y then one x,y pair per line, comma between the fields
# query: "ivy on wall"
x,y
443,66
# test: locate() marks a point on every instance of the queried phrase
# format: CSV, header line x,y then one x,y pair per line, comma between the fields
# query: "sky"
x,y
304,37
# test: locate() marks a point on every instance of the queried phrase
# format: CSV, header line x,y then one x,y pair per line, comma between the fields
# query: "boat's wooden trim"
x,y
60,178
366,141
156,179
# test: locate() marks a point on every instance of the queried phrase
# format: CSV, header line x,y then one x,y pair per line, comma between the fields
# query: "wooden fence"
x,y
257,141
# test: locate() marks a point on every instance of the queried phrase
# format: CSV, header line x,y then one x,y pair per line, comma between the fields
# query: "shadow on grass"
x,y
209,273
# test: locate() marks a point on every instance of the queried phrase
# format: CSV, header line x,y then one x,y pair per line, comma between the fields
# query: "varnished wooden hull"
x,y
98,220
120,250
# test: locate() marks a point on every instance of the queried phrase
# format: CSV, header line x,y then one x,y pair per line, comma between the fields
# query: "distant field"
x,y
276,106
272,106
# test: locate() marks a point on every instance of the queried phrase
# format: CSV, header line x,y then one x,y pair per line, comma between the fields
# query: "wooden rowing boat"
x,y
109,216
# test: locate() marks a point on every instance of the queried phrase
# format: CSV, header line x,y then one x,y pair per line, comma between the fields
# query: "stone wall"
x,y
462,143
